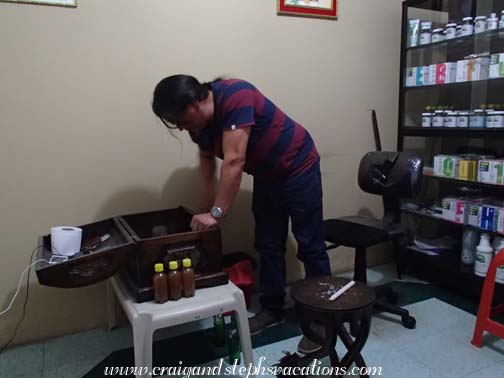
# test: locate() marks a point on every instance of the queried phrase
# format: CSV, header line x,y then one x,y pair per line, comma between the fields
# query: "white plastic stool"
x,y
147,317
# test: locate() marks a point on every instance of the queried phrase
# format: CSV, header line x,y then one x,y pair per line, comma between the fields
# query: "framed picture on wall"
x,y
309,8
61,3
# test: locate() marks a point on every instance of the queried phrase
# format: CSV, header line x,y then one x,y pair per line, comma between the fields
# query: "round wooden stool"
x,y
355,307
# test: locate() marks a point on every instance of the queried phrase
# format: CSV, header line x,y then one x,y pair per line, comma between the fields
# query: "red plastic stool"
x,y
486,311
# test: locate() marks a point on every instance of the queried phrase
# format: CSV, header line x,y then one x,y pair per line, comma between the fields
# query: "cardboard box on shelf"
x,y
462,66
490,172
446,166
446,73
468,170
496,66
478,69
454,209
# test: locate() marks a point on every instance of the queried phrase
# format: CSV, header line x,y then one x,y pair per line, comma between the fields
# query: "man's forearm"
x,y
229,183
207,182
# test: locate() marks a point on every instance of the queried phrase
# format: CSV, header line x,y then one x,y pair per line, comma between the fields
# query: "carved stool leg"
x,y
356,346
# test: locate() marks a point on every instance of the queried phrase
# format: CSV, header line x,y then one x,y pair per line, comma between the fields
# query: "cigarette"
x,y
342,290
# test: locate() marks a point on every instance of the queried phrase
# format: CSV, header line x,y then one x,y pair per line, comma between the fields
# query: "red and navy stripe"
x,y
278,147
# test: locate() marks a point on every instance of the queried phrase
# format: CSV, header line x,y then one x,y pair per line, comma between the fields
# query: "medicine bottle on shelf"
x,y
480,24
493,22
451,31
426,33
467,27
437,35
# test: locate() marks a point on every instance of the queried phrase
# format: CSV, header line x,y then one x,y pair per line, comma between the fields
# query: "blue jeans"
x,y
299,198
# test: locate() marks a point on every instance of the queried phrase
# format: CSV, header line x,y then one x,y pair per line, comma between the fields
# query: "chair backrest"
x,y
393,175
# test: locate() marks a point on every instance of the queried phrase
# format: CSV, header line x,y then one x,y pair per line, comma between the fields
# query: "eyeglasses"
x,y
174,125
170,125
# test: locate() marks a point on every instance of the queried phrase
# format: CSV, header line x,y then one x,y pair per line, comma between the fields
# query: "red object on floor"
x,y
485,311
241,275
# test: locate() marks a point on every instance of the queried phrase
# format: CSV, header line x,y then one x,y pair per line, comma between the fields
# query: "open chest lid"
x,y
95,262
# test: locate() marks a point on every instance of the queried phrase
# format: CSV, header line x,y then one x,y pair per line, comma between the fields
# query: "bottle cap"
x,y
467,19
158,268
173,265
186,263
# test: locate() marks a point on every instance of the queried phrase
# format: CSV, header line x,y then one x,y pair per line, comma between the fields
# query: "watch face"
x,y
216,212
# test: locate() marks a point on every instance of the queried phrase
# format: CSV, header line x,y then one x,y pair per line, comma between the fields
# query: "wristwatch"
x,y
217,212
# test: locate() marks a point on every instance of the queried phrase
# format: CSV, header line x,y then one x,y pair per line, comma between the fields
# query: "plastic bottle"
x,y
174,281
469,241
234,343
467,26
219,331
484,254
159,281
188,279
426,34
493,22
500,270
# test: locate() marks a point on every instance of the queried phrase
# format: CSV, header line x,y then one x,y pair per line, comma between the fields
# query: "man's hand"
x,y
202,222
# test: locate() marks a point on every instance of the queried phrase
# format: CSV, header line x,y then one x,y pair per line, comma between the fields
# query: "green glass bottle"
x,y
234,342
219,331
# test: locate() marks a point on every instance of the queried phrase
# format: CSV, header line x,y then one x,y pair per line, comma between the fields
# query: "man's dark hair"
x,y
174,94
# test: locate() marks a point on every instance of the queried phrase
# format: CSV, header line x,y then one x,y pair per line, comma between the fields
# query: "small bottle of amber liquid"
x,y
159,282
174,281
188,278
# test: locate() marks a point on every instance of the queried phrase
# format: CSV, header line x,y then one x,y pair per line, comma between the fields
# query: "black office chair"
x,y
393,175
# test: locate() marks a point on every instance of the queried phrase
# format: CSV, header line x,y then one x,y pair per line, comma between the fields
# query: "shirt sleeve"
x,y
238,106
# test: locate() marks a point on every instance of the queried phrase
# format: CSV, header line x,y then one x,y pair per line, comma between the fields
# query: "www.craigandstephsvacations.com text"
x,y
259,369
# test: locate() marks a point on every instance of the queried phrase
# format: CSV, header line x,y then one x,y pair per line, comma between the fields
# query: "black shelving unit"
x,y
453,132
447,269
466,42
423,214
463,86
428,142
475,184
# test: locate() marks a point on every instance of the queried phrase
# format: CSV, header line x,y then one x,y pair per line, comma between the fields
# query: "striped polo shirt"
x,y
278,147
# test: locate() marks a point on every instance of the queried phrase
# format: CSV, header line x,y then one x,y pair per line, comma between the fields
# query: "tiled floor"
x,y
439,347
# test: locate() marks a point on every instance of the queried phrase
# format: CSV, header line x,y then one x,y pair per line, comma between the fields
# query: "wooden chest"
x,y
136,243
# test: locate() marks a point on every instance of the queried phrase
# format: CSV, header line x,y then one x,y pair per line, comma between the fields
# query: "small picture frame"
x,y
59,3
309,8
